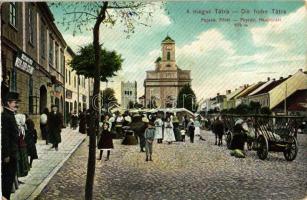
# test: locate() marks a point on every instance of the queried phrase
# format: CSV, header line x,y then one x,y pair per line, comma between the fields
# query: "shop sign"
x,y
24,63
68,94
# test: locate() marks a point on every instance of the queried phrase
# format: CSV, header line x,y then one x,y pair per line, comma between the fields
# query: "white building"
x,y
128,93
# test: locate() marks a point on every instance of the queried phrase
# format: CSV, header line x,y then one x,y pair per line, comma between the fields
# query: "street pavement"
x,y
200,170
48,163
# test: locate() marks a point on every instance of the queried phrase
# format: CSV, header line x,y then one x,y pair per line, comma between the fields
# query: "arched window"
x,y
168,57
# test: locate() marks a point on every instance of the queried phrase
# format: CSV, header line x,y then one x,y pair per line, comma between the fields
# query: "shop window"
x,y
13,17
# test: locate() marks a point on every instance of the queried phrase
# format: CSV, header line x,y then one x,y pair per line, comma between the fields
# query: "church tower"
x,y
168,61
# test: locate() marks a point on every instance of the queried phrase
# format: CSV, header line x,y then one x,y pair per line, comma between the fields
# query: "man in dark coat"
x,y
139,127
55,124
82,122
9,143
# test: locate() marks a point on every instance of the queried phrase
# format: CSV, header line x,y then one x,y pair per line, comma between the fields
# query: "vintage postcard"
x,y
154,100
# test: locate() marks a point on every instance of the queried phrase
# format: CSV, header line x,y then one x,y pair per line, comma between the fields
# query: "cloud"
x,y
77,41
285,35
207,41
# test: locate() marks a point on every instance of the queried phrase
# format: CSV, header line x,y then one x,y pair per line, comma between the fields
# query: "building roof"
x,y
48,14
295,102
249,89
234,93
70,51
168,39
269,86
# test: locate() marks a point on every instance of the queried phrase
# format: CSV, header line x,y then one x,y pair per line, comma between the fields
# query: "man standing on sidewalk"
x,y
9,143
55,124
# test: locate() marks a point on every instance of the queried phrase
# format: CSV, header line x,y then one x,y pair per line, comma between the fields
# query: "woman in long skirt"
x,y
197,127
23,163
169,135
105,141
43,125
31,139
158,126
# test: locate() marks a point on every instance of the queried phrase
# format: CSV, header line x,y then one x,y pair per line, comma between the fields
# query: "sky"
x,y
220,55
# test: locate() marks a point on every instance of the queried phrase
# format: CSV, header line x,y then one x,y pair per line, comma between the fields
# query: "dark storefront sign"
x,y
24,62
68,94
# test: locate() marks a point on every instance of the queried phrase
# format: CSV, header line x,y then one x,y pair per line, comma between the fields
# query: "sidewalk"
x,y
48,163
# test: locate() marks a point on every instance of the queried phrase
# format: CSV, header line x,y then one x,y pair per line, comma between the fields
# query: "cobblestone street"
x,y
183,171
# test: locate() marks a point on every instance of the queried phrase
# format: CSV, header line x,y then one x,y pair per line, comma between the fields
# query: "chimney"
x,y
301,70
218,94
289,76
269,78
228,92
274,79
281,78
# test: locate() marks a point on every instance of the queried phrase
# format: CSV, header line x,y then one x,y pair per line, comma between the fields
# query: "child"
x,y
31,139
149,138
182,131
105,141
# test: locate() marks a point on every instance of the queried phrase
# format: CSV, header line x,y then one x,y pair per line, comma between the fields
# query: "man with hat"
x,y
139,127
9,143
55,124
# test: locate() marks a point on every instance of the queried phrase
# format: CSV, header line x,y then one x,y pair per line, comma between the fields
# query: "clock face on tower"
x,y
168,48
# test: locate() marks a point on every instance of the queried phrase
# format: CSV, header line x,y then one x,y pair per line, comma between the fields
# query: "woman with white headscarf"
x,y
22,157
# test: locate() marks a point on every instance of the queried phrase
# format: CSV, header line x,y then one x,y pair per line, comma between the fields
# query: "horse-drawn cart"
x,y
265,133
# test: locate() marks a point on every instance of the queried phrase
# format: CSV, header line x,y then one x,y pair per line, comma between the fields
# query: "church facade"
x,y
163,84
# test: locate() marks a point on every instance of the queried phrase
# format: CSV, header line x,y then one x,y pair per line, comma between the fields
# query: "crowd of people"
x,y
19,138
145,128
19,135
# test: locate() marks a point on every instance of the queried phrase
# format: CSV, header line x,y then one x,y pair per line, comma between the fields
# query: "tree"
x,y
83,63
130,105
265,111
254,107
108,98
187,98
242,109
81,14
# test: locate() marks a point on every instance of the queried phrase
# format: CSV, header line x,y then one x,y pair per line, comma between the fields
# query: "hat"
x,y
54,105
239,121
137,115
12,96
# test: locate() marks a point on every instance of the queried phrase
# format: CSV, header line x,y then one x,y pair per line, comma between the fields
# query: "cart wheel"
x,y
228,139
291,149
262,147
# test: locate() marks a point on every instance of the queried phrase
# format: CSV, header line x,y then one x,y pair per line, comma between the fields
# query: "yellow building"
x,y
163,84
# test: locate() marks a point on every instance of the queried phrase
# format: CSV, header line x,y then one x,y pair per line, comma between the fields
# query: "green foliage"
x,y
84,63
254,107
265,111
158,59
108,98
242,109
130,104
187,99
